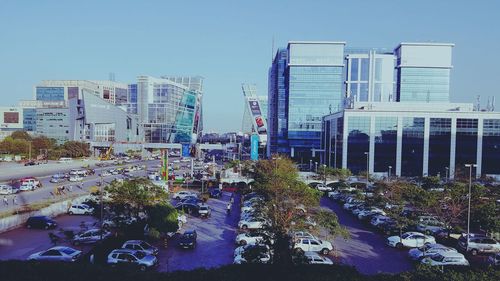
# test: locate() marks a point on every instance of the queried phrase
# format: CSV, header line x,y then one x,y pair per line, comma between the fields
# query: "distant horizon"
x,y
229,45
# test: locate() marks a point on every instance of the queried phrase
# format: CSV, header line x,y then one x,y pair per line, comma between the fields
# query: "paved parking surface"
x,y
366,249
215,243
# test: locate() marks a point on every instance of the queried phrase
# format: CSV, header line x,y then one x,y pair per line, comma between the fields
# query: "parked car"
x,y
57,178
58,254
42,222
410,240
7,189
182,194
140,245
302,234
379,219
369,212
446,258
314,245
105,174
189,208
323,187
254,223
80,209
31,163
428,250
494,260
215,193
253,255
252,237
242,249
132,258
314,258
429,225
478,244
204,210
188,239
91,236
75,178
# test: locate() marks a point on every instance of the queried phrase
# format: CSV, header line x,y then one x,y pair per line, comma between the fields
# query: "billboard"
x,y
186,150
254,147
11,117
259,121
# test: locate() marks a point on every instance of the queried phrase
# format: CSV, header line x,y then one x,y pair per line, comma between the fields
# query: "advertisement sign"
x,y
164,164
258,120
186,149
254,147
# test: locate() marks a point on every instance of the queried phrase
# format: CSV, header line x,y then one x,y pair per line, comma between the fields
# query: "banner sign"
x,y
164,164
254,147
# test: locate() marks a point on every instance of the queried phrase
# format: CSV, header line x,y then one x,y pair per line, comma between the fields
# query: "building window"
x,y
491,147
385,143
439,146
412,153
358,142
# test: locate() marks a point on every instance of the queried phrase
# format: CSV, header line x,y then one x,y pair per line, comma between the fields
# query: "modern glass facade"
x,y
49,93
358,142
439,146
412,153
466,143
53,123
491,146
385,143
29,119
132,99
423,84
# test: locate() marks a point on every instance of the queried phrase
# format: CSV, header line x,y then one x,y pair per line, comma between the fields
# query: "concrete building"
x,y
29,111
412,139
53,123
11,119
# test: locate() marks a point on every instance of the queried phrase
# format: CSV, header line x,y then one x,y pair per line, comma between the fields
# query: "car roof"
x,y
61,248
449,254
413,233
133,241
189,231
39,217
123,251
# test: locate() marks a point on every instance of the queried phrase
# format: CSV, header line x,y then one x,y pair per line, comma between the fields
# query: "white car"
x,y
428,250
379,219
410,240
80,209
57,254
241,249
446,258
322,187
7,189
26,186
90,236
75,178
105,174
314,258
262,257
313,245
250,238
255,223
303,234
370,211
183,194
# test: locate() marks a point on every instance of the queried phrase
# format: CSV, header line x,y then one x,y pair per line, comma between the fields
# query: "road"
x,y
47,190
366,249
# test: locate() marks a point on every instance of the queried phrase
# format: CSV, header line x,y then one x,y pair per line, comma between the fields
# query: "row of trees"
x,y
20,143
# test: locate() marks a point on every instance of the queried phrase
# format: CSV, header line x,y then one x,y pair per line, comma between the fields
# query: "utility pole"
x,y
470,166
367,169
102,205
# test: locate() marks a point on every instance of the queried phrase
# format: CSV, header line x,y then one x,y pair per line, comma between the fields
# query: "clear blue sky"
x,y
229,42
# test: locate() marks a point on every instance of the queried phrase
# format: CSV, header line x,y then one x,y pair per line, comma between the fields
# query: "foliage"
x,y
162,217
20,135
431,182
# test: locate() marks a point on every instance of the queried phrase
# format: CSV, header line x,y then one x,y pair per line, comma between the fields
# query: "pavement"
x,y
366,249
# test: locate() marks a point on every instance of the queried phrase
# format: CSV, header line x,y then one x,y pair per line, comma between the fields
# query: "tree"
x,y
162,217
287,198
20,135
431,182
133,196
76,148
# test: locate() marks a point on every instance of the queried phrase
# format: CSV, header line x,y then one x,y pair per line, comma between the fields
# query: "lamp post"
x,y
102,204
367,169
310,165
446,173
324,173
389,175
316,167
470,166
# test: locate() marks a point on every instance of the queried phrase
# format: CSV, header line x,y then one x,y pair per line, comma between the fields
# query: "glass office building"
x,y
50,94
169,112
423,72
412,139
53,123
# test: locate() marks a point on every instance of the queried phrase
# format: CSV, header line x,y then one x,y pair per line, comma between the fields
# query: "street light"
x,y
316,163
310,165
389,175
446,174
324,173
367,169
470,166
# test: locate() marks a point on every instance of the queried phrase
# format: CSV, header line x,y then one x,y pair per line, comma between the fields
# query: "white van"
x,y
65,160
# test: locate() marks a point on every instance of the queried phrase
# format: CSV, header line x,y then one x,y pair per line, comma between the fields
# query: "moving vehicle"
x,y
410,240
140,245
75,178
188,239
204,210
313,245
80,209
446,258
78,172
41,222
132,258
57,254
31,163
58,178
182,194
7,189
90,236
65,160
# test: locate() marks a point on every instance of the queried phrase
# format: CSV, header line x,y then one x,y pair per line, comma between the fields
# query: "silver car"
x,y
133,258
140,246
91,236
59,254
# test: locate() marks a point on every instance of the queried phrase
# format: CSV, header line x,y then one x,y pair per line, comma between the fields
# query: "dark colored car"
x,y
31,163
189,208
188,239
42,222
215,193
391,228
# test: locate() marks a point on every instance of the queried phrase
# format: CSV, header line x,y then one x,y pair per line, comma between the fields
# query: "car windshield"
x,y
437,258
406,235
188,235
145,245
140,255
68,251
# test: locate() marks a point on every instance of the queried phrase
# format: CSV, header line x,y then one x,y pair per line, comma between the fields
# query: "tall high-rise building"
x,y
169,112
313,88
423,72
